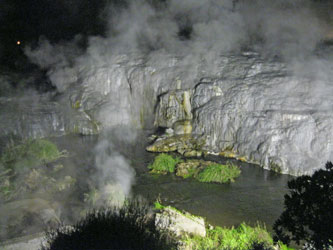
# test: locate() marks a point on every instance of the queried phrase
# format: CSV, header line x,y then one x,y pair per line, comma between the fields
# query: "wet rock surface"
x,y
191,168
259,111
186,145
180,223
40,116
250,106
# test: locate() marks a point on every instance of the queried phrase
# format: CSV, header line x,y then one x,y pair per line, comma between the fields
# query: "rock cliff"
x,y
244,104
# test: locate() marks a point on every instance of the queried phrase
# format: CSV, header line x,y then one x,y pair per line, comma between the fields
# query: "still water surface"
x,y
257,195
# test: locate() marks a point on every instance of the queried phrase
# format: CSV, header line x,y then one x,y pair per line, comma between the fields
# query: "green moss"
x,y
77,104
191,172
275,167
189,168
219,173
158,205
240,238
164,163
30,154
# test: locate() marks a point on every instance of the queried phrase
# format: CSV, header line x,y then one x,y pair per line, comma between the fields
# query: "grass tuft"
x,y
164,163
158,205
243,237
219,173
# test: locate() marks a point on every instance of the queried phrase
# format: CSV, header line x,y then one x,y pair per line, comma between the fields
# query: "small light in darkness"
x,y
18,42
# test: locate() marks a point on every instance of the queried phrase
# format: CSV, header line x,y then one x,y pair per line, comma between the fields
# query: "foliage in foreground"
x,y
30,154
308,211
164,163
19,170
219,173
128,227
243,237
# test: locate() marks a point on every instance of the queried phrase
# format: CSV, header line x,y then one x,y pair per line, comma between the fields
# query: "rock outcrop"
x,y
244,105
180,223
258,110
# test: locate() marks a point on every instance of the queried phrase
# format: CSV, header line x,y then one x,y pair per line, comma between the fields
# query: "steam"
x,y
193,32
114,176
191,35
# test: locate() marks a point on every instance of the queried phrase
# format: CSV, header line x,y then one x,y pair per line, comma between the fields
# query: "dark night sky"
x,y
27,20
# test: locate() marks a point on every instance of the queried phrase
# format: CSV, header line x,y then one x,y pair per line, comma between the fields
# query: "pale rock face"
x,y
173,106
252,106
180,223
258,110
42,118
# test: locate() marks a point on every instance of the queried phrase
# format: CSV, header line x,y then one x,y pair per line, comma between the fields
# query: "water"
x,y
257,194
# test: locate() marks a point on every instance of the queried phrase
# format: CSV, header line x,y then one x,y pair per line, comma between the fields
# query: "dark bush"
x,y
128,227
308,214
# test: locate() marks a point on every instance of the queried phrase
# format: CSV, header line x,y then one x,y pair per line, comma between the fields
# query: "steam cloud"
x,y
114,175
194,31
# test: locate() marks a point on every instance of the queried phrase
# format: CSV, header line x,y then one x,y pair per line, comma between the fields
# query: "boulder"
x,y
191,167
184,144
180,223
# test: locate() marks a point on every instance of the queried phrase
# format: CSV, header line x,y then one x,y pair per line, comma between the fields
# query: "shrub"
x,y
30,154
219,173
242,238
308,214
164,163
128,227
18,168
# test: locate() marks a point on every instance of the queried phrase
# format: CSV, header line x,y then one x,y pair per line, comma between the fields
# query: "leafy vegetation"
x,y
204,171
18,164
133,227
308,214
243,237
30,154
128,227
219,173
164,163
